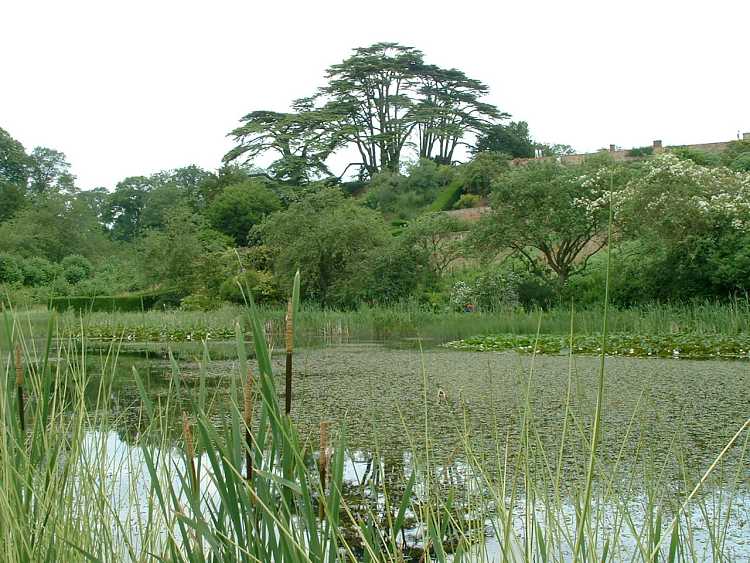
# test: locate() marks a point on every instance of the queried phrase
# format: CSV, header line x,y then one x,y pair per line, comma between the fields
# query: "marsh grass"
x,y
403,321
69,493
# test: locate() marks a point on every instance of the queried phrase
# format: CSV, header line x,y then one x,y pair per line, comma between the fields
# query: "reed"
x,y
289,352
19,388
410,320
248,420
187,434
75,496
323,462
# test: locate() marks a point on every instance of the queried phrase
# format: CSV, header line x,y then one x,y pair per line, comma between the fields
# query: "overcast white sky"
x,y
133,87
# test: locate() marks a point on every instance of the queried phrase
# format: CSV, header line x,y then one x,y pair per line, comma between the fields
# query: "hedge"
x,y
112,303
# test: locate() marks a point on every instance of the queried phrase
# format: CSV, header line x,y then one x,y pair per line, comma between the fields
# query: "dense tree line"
x,y
679,221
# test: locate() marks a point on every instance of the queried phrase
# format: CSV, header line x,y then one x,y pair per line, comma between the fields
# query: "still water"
x,y
664,421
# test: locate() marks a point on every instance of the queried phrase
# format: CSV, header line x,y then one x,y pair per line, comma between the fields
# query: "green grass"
x,y
67,494
407,321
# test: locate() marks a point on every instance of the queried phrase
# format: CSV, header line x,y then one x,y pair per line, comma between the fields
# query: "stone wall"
x,y
623,154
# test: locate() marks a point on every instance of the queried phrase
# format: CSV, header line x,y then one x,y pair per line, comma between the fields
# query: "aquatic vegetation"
x,y
244,481
409,320
686,346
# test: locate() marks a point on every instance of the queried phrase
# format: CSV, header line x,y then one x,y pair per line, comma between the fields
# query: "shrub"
x,y
261,285
199,302
10,270
38,271
488,290
426,184
741,163
480,173
698,156
535,292
76,268
641,151
468,201
399,271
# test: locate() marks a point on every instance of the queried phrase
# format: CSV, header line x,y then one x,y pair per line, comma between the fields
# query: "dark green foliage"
x,y
703,158
298,139
404,196
38,271
379,101
240,207
512,139
11,271
122,303
641,151
126,206
701,267
551,216
186,255
741,163
262,286
13,160
397,273
537,293
54,227
735,149
76,268
479,174
328,237
49,172
12,199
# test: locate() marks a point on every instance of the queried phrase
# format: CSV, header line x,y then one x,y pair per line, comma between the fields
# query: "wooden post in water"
x,y
324,424
289,350
19,388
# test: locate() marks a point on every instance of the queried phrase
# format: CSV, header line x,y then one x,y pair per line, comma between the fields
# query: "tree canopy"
x,y
329,237
553,216
382,102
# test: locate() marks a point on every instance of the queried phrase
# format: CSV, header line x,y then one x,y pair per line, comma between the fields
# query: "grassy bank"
x,y
408,321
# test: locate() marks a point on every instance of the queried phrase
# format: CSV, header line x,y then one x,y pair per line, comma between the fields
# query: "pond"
x,y
664,421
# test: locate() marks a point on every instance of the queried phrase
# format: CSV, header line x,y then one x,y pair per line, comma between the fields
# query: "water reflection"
x,y
664,421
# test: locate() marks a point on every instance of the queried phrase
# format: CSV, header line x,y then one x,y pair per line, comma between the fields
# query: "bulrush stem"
x,y
289,350
323,464
187,434
248,415
19,387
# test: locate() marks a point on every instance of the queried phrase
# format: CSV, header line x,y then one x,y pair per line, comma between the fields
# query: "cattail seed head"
x,y
248,396
289,327
19,366
187,434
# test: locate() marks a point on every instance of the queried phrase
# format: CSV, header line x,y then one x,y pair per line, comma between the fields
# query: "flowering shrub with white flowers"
x,y
676,197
